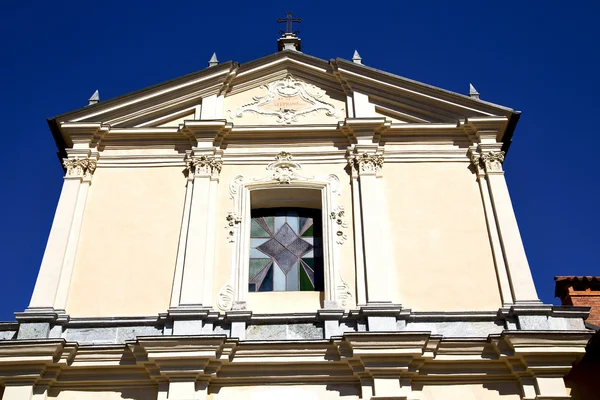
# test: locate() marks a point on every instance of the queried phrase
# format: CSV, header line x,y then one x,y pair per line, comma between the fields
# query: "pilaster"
x,y
373,246
519,272
487,159
54,278
196,285
496,245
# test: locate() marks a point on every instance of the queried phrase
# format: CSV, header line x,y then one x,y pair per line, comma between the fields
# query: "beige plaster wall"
x,y
281,301
485,391
128,245
278,392
439,236
232,104
133,393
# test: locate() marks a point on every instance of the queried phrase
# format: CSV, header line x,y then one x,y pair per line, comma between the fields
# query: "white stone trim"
x,y
285,175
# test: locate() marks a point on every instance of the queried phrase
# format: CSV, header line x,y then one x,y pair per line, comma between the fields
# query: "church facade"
x,y
287,228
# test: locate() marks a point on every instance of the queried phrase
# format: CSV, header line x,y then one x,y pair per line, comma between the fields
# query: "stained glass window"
x,y
286,251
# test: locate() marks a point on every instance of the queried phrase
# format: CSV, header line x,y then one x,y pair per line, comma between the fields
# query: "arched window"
x,y
286,250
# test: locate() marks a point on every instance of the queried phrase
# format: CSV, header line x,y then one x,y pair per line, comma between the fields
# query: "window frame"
x,y
240,191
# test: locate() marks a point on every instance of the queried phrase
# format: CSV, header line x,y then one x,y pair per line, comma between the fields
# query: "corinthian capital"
x,y
79,167
365,163
492,161
206,166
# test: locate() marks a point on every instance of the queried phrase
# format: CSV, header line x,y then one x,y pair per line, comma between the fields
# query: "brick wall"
x,y
580,291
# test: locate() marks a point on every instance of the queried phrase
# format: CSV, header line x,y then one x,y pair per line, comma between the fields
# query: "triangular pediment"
x,y
288,88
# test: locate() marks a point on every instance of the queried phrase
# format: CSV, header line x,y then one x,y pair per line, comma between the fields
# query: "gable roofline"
x,y
346,70
222,67
355,67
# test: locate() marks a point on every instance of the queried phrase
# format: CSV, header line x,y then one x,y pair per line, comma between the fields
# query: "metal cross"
x,y
288,23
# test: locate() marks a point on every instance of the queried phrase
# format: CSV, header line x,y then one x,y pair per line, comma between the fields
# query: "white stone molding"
x,y
286,173
487,160
54,278
193,281
284,91
338,215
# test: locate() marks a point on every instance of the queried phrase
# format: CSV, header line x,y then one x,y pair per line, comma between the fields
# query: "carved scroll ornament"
x,y
287,99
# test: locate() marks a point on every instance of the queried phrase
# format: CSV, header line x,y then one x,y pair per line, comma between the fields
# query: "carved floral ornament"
x,y
287,99
365,163
338,215
203,165
489,161
79,167
233,220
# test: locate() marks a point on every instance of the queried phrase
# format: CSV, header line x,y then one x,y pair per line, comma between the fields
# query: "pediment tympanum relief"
x,y
286,101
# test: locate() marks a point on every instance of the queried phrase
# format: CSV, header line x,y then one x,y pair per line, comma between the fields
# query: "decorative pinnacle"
x,y
356,57
473,92
95,99
213,60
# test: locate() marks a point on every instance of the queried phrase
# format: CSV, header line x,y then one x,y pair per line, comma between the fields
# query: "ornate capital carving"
x,y
490,161
203,166
493,161
365,163
79,167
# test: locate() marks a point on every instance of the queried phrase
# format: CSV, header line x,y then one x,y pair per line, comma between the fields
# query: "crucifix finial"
x,y
288,23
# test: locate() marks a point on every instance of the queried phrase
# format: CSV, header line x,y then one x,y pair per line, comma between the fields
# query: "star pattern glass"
x,y
286,250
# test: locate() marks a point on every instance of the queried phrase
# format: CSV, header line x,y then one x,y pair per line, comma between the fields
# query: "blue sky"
x,y
539,57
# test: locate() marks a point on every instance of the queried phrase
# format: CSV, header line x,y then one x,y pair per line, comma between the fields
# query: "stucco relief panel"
x,y
286,101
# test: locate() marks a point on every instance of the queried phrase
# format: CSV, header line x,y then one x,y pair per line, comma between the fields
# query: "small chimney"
x,y
580,291
95,99
356,57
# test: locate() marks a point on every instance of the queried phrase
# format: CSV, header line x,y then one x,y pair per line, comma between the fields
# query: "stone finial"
x,y
356,57
473,92
95,99
213,60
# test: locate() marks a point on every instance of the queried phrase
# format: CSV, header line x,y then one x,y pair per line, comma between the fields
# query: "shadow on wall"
x,y
583,378
131,394
468,391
